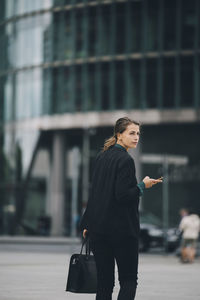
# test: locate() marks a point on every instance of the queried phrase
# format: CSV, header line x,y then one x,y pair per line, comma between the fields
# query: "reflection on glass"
x,y
47,92
59,105
135,83
79,34
151,82
120,28
18,7
106,30
28,99
68,39
187,82
8,98
136,26
26,39
26,139
67,89
36,196
170,9
168,82
91,87
189,22
59,39
120,85
105,85
3,47
78,88
92,27
2,82
152,25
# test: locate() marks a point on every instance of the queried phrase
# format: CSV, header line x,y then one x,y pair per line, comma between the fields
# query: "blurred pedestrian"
x,y
111,217
183,212
190,227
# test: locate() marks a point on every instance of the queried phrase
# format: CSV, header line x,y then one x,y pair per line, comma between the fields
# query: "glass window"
x,y
47,91
187,81
105,86
120,28
20,95
9,8
152,25
28,94
68,39
120,85
136,26
2,11
91,89
62,2
48,39
106,30
168,82
58,35
135,84
170,27
35,92
79,34
188,23
27,40
76,1
8,98
3,47
151,82
78,88
64,35
92,28
59,89
59,105
27,6
67,89
18,7
2,80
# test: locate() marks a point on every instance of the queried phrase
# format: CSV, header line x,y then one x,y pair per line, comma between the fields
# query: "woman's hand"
x,y
85,231
149,182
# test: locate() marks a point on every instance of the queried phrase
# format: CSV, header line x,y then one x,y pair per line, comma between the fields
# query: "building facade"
x,y
68,70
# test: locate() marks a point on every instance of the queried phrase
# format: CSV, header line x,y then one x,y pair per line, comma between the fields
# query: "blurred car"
x,y
152,235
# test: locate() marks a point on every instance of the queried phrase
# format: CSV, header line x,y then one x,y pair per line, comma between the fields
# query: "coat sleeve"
x,y
84,224
126,189
182,225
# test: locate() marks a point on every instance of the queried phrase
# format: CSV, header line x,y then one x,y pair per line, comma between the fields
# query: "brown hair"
x,y
120,126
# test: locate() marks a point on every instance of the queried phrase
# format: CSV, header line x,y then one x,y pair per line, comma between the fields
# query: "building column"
x,y
56,199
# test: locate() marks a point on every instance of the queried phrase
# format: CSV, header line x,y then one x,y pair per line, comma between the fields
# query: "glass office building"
x,y
68,70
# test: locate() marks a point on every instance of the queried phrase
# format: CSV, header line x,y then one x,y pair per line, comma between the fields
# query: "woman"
x,y
111,217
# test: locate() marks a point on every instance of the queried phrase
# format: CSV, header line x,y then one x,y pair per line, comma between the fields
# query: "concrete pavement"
x,y
26,273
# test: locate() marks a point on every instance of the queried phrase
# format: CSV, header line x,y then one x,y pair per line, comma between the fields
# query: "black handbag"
x,y
82,275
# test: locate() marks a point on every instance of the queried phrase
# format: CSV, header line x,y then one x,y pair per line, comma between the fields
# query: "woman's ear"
x,y
118,136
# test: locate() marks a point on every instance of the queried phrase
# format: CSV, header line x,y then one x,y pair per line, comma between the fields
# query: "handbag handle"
x,y
86,243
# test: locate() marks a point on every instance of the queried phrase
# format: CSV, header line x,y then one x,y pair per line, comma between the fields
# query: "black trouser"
x,y
124,250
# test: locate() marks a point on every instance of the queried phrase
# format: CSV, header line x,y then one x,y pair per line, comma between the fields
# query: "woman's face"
x,y
130,137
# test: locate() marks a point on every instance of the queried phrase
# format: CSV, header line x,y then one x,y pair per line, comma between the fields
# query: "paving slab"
x,y
34,275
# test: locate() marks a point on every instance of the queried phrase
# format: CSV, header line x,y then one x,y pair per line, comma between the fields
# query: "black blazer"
x,y
112,207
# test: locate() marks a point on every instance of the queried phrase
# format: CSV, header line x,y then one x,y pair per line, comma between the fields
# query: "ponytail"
x,y
109,142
